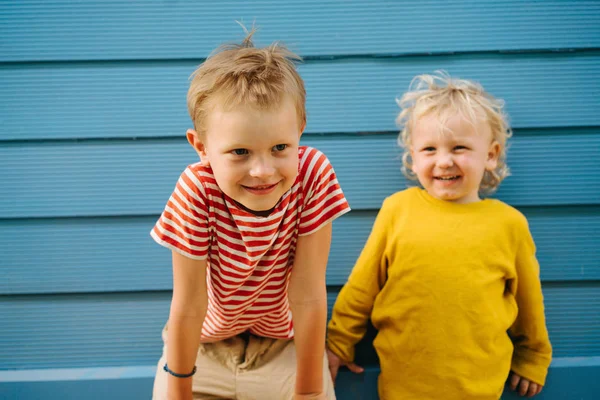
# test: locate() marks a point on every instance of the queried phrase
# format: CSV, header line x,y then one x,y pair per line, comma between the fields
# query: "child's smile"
x,y
447,178
261,190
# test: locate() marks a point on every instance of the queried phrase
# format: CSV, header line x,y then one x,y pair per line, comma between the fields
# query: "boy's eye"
x,y
280,147
430,148
456,148
240,152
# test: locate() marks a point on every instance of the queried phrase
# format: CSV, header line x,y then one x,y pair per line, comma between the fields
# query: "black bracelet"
x,y
175,374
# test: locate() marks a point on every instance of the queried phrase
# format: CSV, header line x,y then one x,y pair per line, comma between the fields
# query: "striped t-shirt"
x,y
249,258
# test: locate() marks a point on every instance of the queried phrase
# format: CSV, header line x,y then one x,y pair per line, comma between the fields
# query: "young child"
x,y
445,274
249,227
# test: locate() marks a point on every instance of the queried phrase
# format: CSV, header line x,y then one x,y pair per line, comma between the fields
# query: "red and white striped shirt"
x,y
249,258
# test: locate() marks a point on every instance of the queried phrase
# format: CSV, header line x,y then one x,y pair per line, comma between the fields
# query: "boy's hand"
x,y
335,363
525,387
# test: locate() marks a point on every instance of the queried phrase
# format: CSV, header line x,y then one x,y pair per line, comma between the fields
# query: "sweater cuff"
x,y
531,365
345,353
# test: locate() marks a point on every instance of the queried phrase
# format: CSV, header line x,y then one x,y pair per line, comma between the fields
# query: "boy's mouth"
x,y
261,189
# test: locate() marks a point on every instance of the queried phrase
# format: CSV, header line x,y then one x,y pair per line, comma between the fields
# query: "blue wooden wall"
x,y
92,123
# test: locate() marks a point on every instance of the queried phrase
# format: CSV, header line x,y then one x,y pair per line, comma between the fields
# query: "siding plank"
x,y
148,99
63,30
124,329
117,254
104,178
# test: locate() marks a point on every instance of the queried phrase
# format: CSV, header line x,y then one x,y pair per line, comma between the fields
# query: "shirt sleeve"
x,y
324,200
354,304
183,225
533,352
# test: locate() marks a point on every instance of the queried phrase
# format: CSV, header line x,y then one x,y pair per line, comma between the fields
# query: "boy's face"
x,y
450,164
253,153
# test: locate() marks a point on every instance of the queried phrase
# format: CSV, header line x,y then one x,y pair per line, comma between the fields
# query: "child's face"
x,y
450,164
253,154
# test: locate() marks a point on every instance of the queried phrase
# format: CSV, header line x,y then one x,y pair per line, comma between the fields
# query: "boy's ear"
x,y
492,156
302,129
195,141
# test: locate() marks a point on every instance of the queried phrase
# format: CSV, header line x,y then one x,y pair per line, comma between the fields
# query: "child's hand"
x,y
335,363
525,386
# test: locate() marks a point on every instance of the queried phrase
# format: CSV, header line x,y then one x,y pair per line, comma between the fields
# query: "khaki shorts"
x,y
244,367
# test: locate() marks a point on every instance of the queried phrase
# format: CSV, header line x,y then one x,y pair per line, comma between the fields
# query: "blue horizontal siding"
x,y
136,177
117,254
135,383
70,331
82,330
58,30
563,383
126,388
82,283
147,99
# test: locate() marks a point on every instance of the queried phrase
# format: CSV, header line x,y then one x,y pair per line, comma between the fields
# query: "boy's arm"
x,y
188,309
533,352
355,301
307,295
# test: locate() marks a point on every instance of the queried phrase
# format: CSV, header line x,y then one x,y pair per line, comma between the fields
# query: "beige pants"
x,y
243,368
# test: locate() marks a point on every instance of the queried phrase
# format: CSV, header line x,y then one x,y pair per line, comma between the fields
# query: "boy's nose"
x,y
262,169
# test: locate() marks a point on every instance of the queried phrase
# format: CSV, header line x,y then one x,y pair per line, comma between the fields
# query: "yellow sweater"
x,y
443,283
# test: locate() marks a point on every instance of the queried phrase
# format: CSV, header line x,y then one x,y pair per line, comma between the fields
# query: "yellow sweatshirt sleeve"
x,y
354,303
533,352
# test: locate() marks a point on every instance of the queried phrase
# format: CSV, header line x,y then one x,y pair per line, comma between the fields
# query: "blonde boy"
x,y
445,274
249,227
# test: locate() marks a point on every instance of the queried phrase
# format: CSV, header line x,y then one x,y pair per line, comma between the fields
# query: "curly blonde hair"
x,y
446,97
243,74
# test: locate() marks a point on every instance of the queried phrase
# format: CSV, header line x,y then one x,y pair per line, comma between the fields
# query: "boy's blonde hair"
x,y
243,74
445,97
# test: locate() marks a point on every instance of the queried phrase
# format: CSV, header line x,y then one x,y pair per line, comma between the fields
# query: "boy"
x,y
444,274
249,227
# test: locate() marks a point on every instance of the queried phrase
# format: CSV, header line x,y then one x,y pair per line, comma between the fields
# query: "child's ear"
x,y
492,156
413,168
195,141
302,129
